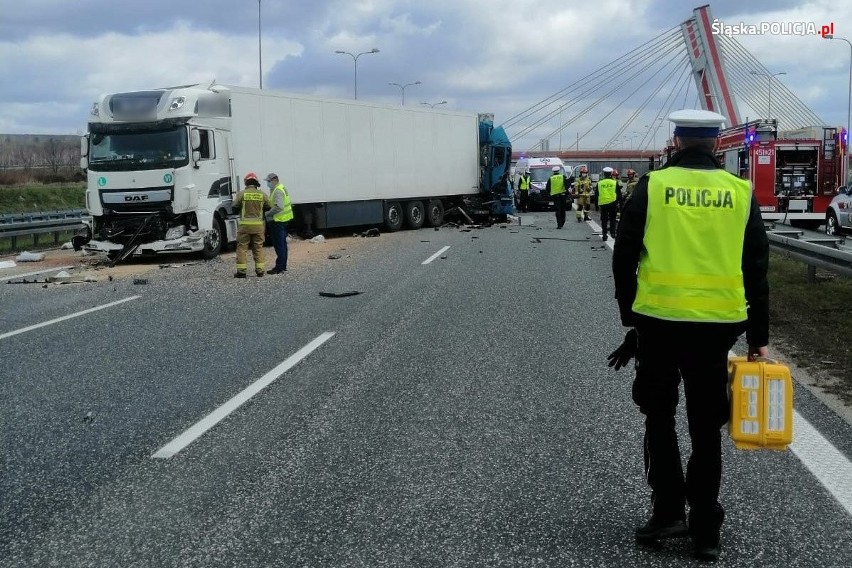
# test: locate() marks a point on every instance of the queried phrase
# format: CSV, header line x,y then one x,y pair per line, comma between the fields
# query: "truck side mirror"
x,y
84,145
196,155
84,163
195,139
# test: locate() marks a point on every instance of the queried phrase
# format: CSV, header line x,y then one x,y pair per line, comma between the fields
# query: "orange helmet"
x,y
614,173
631,173
584,170
250,175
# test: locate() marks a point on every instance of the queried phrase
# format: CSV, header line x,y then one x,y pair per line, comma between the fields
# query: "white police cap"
x,y
694,123
556,168
607,170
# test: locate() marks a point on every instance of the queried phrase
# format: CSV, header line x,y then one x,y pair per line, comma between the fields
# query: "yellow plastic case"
x,y
761,404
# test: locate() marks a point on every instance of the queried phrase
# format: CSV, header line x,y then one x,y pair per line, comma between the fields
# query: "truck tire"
x,y
434,213
214,240
832,227
415,214
393,216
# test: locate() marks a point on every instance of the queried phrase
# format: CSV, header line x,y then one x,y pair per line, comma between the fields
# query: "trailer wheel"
x,y
832,227
415,214
393,216
434,213
214,239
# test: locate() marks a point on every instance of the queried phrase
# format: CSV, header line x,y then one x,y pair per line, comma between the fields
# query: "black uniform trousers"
x,y
609,214
559,202
524,199
698,354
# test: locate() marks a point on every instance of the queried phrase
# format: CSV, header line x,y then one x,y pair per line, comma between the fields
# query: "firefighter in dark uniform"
x,y
524,191
690,272
557,187
251,203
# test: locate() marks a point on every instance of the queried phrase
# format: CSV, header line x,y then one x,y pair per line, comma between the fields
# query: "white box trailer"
x,y
164,164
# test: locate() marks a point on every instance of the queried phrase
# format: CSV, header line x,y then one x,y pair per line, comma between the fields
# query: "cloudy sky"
x,y
500,56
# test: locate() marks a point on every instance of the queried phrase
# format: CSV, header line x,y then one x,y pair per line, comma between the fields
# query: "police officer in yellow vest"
x,y
690,272
251,202
583,191
609,193
278,217
557,188
524,191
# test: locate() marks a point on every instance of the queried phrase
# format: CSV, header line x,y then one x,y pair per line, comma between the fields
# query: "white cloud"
x,y
75,71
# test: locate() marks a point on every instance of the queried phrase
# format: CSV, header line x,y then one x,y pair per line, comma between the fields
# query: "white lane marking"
x,y
63,318
436,255
598,229
24,275
822,459
200,427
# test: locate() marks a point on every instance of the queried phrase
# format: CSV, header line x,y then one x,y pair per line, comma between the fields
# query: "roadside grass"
x,y
812,322
42,197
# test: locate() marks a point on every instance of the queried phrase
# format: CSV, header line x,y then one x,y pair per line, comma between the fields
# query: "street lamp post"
x,y
402,88
848,111
433,105
259,61
355,59
768,76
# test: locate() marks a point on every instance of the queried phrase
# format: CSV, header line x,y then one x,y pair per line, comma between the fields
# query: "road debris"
x,y
7,264
140,281
177,265
317,239
66,246
339,294
334,256
89,418
30,257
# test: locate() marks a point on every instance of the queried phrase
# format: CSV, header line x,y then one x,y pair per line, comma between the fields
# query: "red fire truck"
x,y
794,175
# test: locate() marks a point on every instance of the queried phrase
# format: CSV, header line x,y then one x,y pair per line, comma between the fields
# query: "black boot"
x,y
657,529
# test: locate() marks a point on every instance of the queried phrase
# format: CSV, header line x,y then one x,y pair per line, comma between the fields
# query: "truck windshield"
x,y
141,150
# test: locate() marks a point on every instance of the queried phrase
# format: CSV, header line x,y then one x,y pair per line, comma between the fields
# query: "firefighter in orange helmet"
x,y
583,194
251,203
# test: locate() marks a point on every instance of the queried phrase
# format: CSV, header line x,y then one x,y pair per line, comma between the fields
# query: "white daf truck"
x,y
163,164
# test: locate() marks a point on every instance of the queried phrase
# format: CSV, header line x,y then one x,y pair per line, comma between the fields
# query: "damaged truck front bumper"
x,y
192,242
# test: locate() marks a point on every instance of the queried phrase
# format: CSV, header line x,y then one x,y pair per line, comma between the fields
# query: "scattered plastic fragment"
x,y
339,294
30,257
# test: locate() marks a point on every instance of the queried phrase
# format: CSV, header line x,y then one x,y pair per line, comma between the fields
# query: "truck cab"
x,y
158,173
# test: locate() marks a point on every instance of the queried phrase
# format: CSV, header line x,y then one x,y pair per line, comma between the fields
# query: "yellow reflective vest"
x,y
286,213
557,184
690,268
524,183
606,191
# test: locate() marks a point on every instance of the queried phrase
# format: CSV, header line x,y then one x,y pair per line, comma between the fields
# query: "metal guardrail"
x,y
15,225
826,252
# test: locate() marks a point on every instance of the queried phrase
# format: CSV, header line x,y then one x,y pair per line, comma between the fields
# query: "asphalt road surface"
x,y
455,413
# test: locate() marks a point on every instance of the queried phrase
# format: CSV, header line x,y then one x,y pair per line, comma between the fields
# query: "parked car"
x,y
838,216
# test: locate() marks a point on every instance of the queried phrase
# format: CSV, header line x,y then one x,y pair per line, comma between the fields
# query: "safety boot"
x,y
239,275
657,529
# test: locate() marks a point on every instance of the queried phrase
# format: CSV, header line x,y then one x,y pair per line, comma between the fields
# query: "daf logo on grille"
x,y
136,198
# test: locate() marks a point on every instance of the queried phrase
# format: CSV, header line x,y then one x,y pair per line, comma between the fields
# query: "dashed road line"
x,y
63,318
203,425
436,255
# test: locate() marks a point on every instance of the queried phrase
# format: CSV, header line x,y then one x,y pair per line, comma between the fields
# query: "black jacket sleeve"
x,y
755,266
628,247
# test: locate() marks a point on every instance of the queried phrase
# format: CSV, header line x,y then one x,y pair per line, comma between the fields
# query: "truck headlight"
x,y
176,103
175,232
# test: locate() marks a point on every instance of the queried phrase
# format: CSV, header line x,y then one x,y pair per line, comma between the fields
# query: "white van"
x,y
540,170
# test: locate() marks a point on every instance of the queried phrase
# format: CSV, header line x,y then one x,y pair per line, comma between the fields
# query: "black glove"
x,y
625,352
